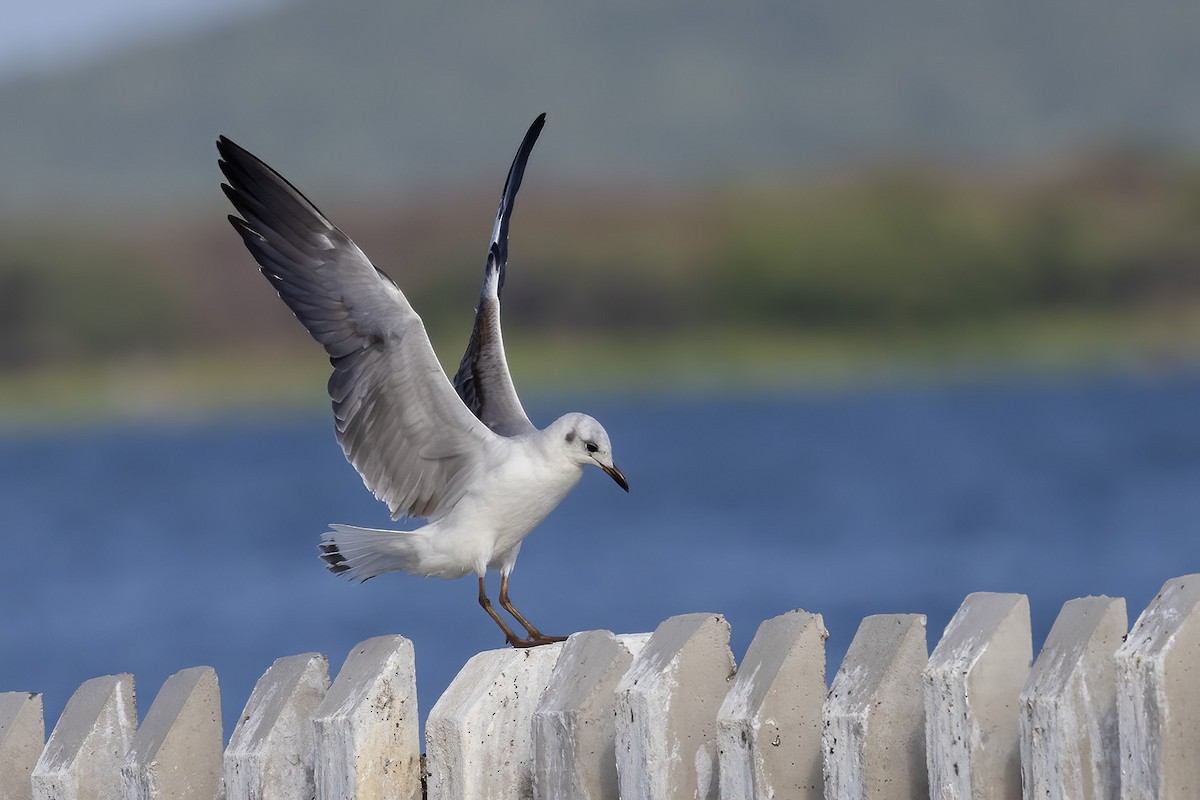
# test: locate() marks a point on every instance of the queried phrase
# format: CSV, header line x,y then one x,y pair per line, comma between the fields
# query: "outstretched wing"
x,y
399,420
483,380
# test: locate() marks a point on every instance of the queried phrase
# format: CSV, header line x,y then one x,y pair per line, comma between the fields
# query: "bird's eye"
x,y
591,447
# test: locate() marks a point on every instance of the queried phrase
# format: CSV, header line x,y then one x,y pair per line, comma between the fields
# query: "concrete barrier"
x,y
1069,744
479,735
367,736
574,725
22,737
1158,696
87,747
874,725
972,684
272,753
667,716
769,724
176,753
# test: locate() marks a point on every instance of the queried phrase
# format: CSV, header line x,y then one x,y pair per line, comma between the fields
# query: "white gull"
x,y
463,456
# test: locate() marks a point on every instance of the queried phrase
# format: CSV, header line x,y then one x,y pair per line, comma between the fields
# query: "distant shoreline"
x,y
199,385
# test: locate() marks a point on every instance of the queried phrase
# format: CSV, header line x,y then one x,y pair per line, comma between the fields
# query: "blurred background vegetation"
x,y
772,194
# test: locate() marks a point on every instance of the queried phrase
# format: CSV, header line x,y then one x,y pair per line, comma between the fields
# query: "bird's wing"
x,y
399,420
483,380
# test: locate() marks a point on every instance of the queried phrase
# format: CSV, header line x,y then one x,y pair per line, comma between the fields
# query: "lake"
x,y
147,547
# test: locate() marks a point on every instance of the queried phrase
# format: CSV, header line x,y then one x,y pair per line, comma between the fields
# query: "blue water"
x,y
149,547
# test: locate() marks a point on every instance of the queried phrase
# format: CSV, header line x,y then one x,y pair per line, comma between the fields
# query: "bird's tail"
x,y
363,553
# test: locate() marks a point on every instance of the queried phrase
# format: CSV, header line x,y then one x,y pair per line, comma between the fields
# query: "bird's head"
x,y
586,442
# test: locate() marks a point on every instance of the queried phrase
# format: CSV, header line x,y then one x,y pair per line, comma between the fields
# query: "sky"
x,y
55,33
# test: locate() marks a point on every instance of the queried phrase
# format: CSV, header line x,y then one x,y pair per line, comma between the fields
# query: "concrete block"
x,y
82,760
874,736
272,752
367,729
176,754
479,735
769,723
1069,743
667,707
22,736
574,726
972,687
1158,696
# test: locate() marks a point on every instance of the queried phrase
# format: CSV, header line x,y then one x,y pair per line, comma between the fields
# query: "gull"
x,y
462,456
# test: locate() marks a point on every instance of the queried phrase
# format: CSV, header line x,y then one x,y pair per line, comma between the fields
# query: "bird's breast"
x,y
518,494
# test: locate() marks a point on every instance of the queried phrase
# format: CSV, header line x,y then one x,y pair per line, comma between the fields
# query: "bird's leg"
x,y
509,636
536,637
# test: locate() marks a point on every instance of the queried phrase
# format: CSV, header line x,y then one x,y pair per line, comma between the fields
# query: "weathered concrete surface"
x,y
479,735
176,754
82,760
272,752
874,737
1069,741
368,740
574,727
667,707
1158,696
769,724
22,736
972,688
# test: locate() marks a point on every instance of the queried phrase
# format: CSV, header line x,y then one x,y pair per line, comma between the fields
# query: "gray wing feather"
x,y
483,380
398,419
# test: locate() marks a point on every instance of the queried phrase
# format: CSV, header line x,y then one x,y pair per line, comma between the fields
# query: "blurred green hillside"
x,y
733,196
375,95
890,268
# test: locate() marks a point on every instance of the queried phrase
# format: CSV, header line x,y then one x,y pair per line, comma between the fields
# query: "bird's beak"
x,y
616,475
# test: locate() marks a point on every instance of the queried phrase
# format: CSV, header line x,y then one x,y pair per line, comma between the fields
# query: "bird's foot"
x,y
535,640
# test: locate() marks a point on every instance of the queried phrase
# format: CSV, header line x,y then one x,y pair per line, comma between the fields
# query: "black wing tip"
x,y
226,146
246,174
525,148
234,159
516,172
531,135
228,149
248,234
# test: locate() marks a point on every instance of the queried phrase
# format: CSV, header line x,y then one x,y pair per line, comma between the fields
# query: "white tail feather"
x,y
363,553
